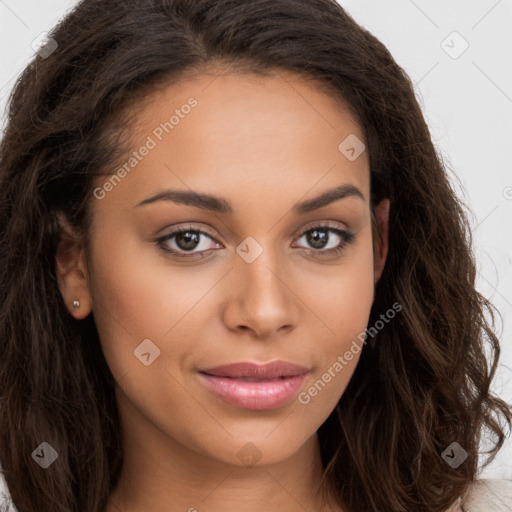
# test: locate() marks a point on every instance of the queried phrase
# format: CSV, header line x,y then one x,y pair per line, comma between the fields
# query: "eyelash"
x,y
346,237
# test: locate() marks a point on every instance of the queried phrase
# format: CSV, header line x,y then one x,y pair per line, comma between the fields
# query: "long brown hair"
x,y
422,382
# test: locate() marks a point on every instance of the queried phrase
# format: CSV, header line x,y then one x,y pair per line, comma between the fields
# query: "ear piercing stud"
x,y
76,304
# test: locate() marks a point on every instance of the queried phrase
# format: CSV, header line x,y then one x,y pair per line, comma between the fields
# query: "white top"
x,y
488,495
484,495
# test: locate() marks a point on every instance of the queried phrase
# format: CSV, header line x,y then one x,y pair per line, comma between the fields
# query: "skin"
x,y
263,144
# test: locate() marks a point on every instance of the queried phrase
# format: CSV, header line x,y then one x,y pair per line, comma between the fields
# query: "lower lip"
x,y
268,394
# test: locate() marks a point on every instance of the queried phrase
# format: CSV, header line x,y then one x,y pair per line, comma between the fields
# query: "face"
x,y
213,248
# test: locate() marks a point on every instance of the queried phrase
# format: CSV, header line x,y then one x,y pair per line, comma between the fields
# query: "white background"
x,y
467,102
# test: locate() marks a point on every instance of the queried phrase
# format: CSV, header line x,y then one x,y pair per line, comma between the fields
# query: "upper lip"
x,y
270,370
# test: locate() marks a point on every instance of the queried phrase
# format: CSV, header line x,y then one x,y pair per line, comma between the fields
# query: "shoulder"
x,y
486,495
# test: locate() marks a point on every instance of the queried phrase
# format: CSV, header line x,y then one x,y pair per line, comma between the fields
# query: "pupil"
x,y
318,238
190,240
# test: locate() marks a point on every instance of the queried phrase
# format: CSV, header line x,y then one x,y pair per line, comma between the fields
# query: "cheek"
x,y
134,296
343,298
343,304
137,295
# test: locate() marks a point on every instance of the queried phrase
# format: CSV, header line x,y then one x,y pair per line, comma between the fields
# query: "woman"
x,y
236,274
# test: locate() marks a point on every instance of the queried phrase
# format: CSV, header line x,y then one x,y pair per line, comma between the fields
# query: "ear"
x,y
71,270
381,245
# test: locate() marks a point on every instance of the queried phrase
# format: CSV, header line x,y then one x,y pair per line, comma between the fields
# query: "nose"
x,y
261,298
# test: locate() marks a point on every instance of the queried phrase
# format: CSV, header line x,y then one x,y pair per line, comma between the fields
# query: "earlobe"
x,y
71,271
381,248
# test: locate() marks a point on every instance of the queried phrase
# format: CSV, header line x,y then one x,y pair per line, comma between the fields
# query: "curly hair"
x,y
422,383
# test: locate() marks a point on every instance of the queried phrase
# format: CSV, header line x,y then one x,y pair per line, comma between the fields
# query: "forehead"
x,y
236,134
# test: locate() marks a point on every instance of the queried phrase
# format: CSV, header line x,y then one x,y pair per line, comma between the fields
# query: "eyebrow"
x,y
220,205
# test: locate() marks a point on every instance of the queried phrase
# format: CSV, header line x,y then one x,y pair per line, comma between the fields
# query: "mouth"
x,y
255,386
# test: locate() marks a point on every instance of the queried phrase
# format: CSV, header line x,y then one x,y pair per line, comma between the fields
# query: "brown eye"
x,y
186,240
326,239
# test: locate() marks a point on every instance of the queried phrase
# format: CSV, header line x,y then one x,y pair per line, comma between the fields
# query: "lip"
x,y
271,385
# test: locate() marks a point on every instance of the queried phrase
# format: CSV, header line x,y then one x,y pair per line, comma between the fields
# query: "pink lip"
x,y
277,382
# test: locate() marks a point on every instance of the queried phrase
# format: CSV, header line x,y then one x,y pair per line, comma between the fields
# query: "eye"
x,y
323,243
187,239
